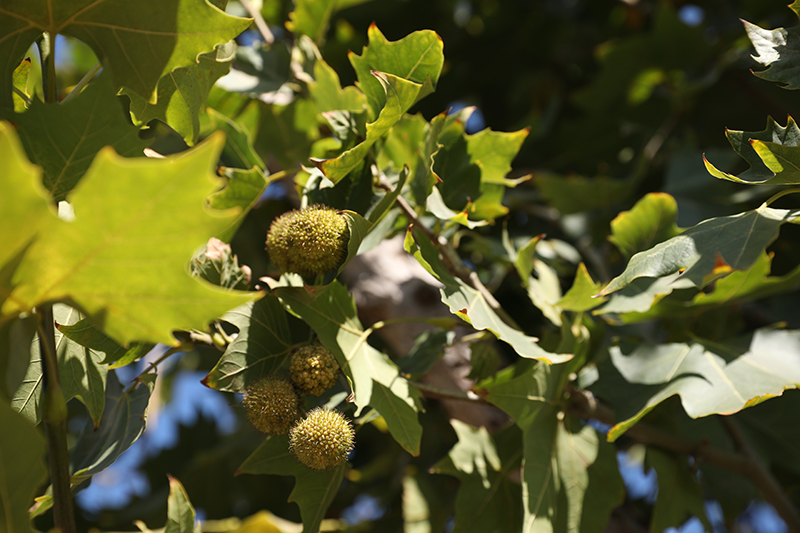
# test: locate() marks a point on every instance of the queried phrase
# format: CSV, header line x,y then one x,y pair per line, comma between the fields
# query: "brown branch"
x,y
743,462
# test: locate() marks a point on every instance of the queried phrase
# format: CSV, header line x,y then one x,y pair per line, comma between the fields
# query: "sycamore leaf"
x,y
544,289
81,372
327,92
710,249
375,380
643,293
416,58
311,17
679,493
85,333
487,499
123,259
22,469
238,151
122,424
180,513
23,207
137,42
313,491
570,479
649,222
470,305
21,84
579,297
777,50
772,154
64,139
400,95
267,335
243,191
710,378
181,94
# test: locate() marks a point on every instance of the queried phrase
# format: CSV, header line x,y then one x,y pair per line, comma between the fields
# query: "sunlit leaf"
x,y
22,469
470,305
313,491
327,92
137,42
777,50
180,513
310,17
123,259
712,248
649,222
579,297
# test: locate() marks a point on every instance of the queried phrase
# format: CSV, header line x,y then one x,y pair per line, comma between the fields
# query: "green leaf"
x,y
470,305
400,95
123,259
580,297
20,80
85,333
21,469
427,350
544,289
242,191
649,222
643,293
416,508
180,513
777,50
263,345
287,132
313,491
311,17
181,94
15,353
260,69
238,151
327,92
64,139
570,479
122,424
23,207
711,248
771,154
679,494
710,378
138,43
487,500
81,373
576,194
375,380
417,58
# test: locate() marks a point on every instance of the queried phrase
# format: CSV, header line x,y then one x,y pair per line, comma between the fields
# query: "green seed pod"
x,y
314,369
322,439
271,405
309,241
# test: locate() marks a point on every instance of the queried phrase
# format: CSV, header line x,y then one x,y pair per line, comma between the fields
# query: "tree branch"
x,y
743,462
261,24
451,394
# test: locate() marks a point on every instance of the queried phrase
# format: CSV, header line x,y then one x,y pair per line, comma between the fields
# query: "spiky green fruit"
x,y
322,439
309,241
271,404
314,369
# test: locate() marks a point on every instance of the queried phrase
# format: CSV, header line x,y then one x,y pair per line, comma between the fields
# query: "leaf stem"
x,y
22,95
184,346
47,49
84,82
781,194
261,24
55,424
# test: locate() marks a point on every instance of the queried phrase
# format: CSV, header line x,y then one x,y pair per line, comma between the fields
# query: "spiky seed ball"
x,y
314,369
271,405
322,439
309,241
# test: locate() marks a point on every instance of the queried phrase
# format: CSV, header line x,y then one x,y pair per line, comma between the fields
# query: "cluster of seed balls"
x,y
309,241
323,438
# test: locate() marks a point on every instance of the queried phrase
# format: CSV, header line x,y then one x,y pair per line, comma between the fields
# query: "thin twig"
x,y
261,24
762,478
183,347
55,424
84,81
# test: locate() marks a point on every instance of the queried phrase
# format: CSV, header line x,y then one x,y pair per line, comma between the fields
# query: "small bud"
x,y
314,369
309,241
271,405
322,440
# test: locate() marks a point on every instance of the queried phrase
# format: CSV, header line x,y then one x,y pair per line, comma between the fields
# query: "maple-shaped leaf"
x,y
416,58
773,154
123,260
777,50
63,139
137,42
313,491
649,222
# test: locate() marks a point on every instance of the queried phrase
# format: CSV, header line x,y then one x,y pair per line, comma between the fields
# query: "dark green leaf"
x,y
313,490
85,333
427,350
777,50
575,194
21,469
679,493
